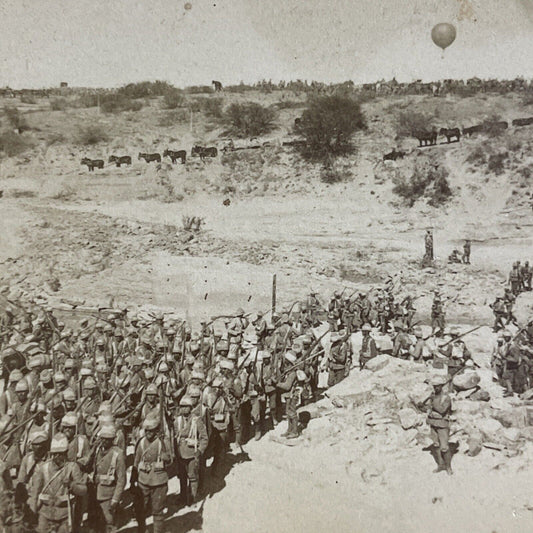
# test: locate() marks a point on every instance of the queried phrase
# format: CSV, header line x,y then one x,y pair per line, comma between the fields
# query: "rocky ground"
x,y
116,237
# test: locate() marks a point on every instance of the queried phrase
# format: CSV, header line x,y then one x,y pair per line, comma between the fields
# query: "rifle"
x,y
462,335
312,356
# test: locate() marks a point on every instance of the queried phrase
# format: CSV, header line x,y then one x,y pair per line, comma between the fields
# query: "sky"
x,y
107,43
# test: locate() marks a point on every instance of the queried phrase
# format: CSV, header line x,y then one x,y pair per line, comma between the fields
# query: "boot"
x,y
289,426
448,461
257,431
293,429
440,462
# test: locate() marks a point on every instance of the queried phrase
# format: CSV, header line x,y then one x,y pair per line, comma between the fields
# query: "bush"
x,y
27,99
199,89
249,119
92,134
289,104
13,144
16,120
86,100
211,107
173,99
145,89
331,175
328,124
58,104
496,163
427,180
172,118
477,156
116,103
410,123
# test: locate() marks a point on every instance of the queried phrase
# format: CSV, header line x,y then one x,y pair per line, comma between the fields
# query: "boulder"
x,y
408,418
475,444
480,396
377,363
511,435
516,417
421,393
466,381
488,427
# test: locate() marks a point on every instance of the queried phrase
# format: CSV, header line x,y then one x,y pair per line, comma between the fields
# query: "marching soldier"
x,y
191,440
56,480
149,477
368,347
109,478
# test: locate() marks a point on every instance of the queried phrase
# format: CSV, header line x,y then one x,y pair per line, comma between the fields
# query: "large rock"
x,y
466,381
489,427
377,363
511,435
475,443
421,393
480,396
409,418
516,417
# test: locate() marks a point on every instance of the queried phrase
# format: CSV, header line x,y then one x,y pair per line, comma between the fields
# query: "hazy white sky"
x,y
111,42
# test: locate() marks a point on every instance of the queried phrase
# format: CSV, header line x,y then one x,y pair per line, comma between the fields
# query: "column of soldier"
x,y
76,401
512,357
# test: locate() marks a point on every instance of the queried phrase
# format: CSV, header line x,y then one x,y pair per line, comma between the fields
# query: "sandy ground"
x,y
116,236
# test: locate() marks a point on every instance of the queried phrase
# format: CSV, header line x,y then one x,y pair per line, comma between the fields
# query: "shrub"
x,y
289,104
249,119
58,104
328,124
477,156
16,120
173,99
116,103
331,175
199,89
172,118
427,180
92,134
27,99
411,123
86,100
13,144
145,89
496,163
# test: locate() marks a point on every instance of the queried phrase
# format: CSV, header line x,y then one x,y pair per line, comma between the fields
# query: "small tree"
x,y
249,119
328,124
410,123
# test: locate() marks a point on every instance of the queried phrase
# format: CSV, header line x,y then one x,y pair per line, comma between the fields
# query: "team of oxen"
x,y
429,137
174,155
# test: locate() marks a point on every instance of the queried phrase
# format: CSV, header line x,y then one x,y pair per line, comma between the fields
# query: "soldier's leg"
x,y
444,436
107,517
437,449
182,475
255,415
141,504
193,469
237,428
159,495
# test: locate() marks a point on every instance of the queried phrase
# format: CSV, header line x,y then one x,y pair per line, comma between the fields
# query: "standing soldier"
x,y
261,330
525,277
439,423
149,476
338,357
498,308
368,347
236,329
466,251
55,481
438,320
109,479
218,410
508,301
191,441
428,241
514,279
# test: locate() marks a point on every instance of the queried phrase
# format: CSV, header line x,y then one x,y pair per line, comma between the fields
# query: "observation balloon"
x,y
443,34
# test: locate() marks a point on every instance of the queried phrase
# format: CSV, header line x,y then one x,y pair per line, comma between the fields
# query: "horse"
x,y
392,156
92,163
472,129
523,121
120,160
426,138
175,155
149,157
449,133
218,86
203,151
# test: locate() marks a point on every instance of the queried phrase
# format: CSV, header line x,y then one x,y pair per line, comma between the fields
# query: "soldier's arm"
x,y
287,383
36,488
120,477
237,389
77,484
202,436
165,454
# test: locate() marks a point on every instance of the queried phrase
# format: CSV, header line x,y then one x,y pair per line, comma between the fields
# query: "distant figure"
x,y
466,251
429,244
217,85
